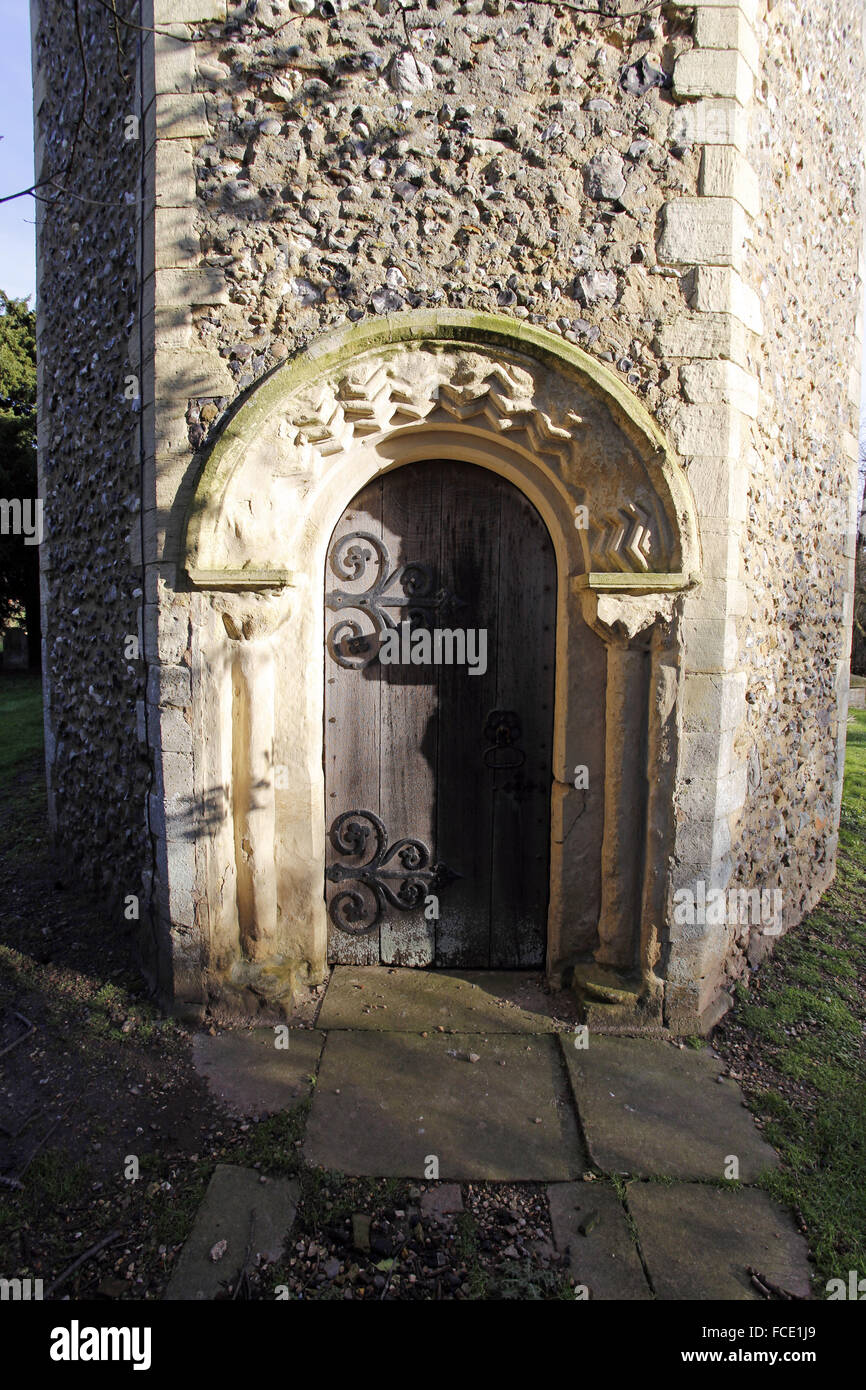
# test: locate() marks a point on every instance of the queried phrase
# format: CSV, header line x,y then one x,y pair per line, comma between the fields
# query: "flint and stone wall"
x,y
89,447
676,193
799,525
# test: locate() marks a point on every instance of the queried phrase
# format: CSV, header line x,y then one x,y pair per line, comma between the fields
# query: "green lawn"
x,y
803,1022
20,720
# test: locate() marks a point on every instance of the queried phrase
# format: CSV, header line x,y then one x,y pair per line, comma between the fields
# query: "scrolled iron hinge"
x,y
351,910
410,588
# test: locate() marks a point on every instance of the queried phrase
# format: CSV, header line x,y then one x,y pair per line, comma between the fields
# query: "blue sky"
x,y
17,257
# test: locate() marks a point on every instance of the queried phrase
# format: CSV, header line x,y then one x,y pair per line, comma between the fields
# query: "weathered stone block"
x,y
175,116
710,122
720,548
749,8
173,732
711,645
720,482
706,755
702,231
177,245
170,325
725,173
165,431
173,59
190,287
188,11
721,381
153,533
713,72
169,685
708,429
173,776
172,177
724,27
697,958
713,702
719,798
704,336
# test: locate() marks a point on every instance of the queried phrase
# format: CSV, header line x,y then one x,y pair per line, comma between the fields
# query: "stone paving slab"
x,y
471,1001
651,1109
589,1222
698,1242
250,1075
385,1101
244,1211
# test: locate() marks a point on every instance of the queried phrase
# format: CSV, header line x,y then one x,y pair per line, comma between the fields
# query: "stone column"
x,y
251,622
665,685
624,797
626,623
253,796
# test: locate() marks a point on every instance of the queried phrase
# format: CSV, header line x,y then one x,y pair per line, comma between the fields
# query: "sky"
x,y
17,232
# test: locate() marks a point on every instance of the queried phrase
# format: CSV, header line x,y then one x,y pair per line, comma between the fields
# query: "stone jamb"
x,y
174,370
705,237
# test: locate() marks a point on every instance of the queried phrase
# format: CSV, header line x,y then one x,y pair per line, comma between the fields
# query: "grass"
x,y
21,733
21,743
805,1017
55,1186
523,1281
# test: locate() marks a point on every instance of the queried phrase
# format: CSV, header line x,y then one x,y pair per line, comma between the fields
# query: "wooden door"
x,y
437,773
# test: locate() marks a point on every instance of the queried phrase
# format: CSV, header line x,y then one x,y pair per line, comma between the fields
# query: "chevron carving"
x,y
398,390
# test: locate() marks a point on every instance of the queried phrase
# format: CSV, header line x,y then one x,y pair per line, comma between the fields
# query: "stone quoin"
x,y
608,267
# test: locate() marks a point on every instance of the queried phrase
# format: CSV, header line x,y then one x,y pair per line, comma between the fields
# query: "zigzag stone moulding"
x,y
531,395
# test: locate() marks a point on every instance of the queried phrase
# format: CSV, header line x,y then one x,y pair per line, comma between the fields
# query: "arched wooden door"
x,y
438,771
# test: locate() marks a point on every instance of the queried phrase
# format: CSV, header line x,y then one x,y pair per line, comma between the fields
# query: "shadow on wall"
x,y
193,815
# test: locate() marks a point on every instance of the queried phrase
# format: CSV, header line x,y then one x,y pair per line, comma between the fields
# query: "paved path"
x,y
480,1076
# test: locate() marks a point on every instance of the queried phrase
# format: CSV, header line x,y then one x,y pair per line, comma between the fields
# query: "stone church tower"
x,y
513,321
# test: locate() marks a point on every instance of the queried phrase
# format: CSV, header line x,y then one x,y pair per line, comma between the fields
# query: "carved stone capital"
x,y
250,617
626,619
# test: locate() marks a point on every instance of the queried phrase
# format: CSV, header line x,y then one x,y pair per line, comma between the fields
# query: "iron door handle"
x,y
503,731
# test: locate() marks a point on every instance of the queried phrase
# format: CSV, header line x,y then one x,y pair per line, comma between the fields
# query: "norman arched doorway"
x,y
440,617
510,403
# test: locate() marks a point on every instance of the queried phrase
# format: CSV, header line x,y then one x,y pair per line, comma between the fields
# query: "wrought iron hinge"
x,y
411,588
404,888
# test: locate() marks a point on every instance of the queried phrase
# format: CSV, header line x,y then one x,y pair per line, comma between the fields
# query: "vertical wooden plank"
x,y
469,567
525,655
352,738
411,525
407,742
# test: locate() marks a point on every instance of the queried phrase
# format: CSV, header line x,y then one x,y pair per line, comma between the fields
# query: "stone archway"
x,y
565,431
